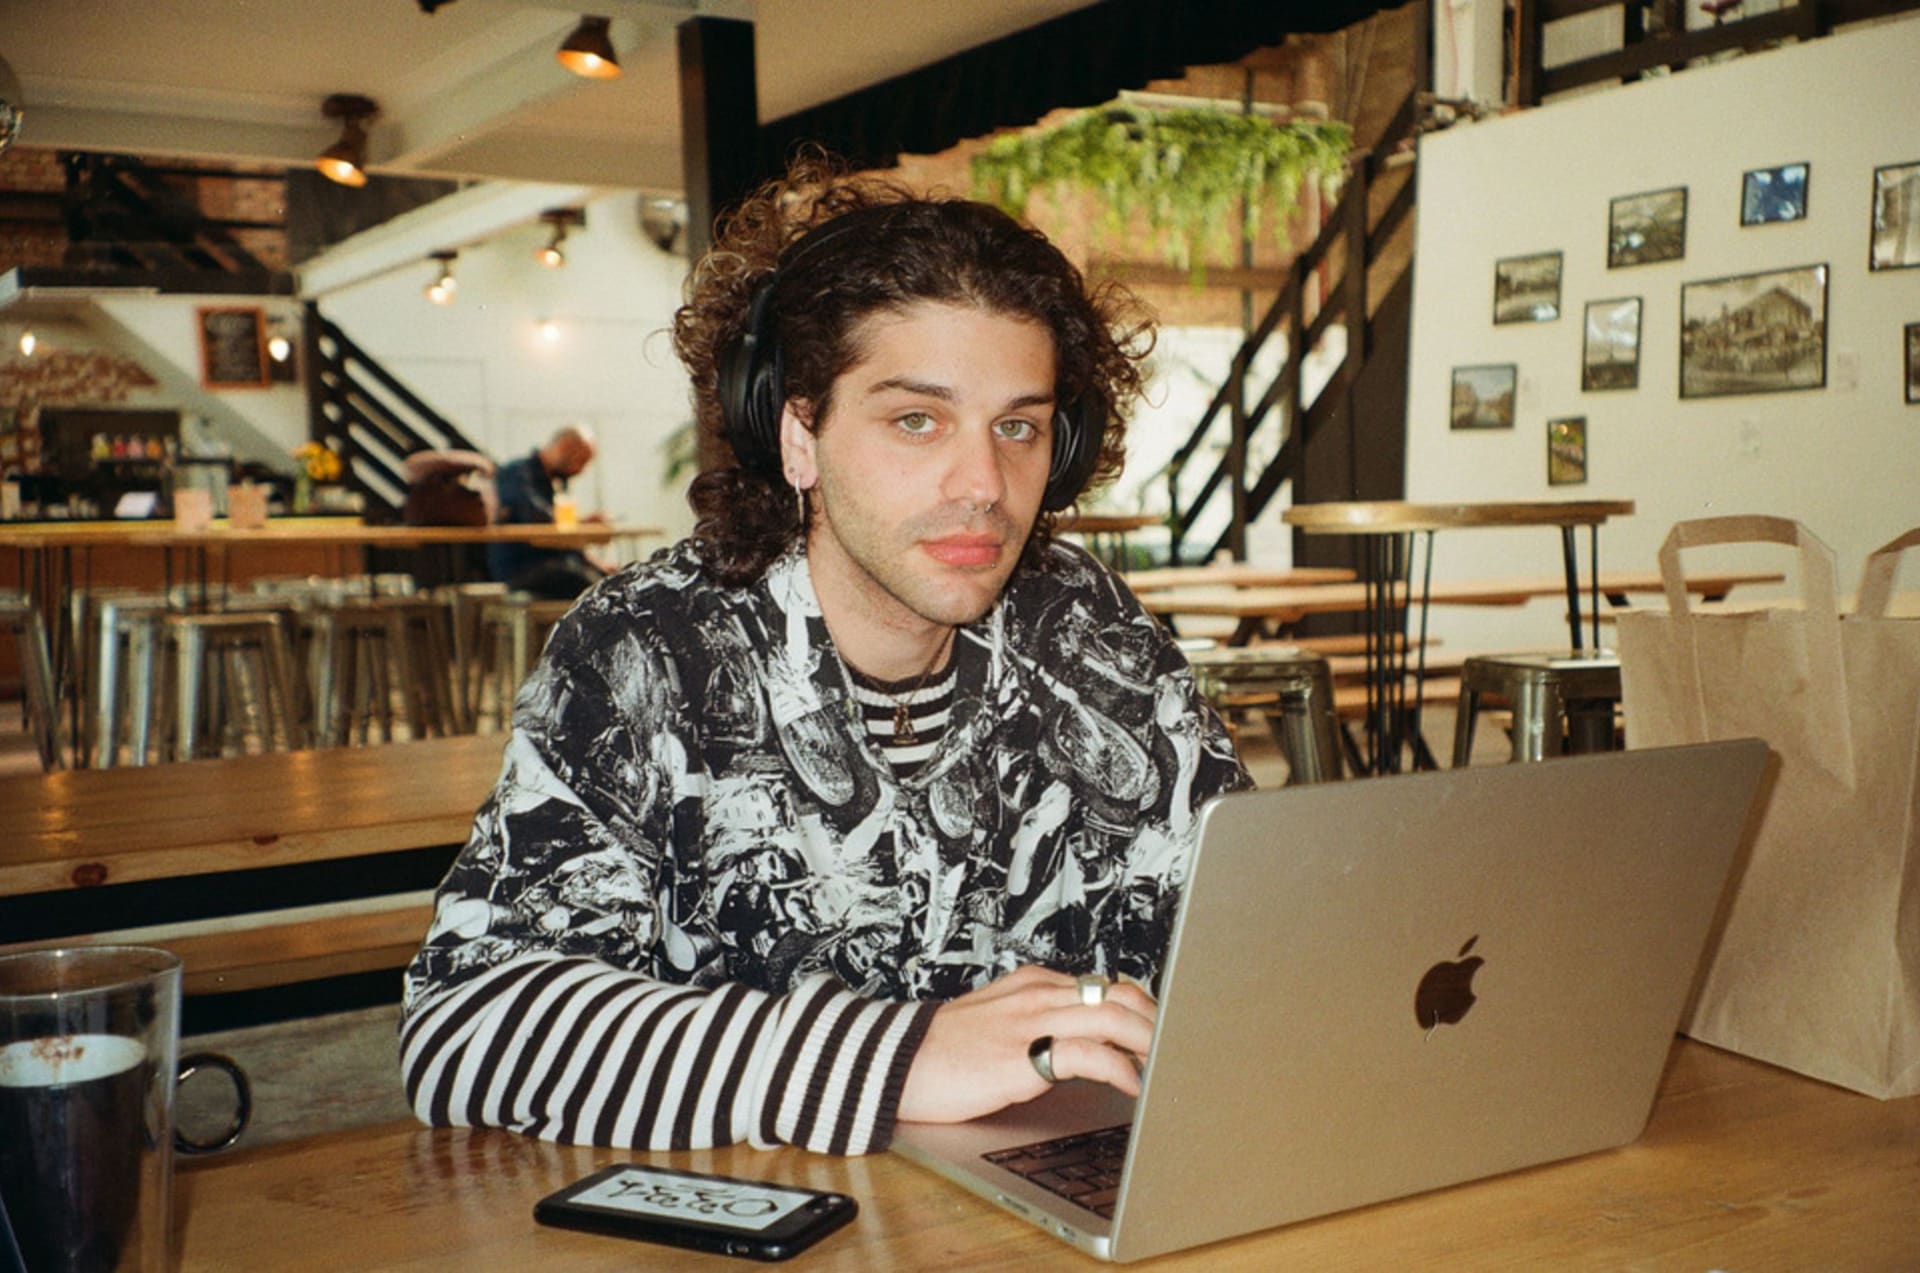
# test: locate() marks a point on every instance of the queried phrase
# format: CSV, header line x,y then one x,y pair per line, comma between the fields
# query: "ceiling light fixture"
x,y
441,290
27,343
588,52
346,160
560,220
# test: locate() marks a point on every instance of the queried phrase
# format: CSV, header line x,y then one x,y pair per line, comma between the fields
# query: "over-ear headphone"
x,y
753,380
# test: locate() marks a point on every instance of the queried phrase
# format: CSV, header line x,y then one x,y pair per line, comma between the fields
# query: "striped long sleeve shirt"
x,y
700,906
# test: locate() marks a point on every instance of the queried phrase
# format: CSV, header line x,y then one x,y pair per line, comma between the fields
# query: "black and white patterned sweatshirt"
x,y
698,906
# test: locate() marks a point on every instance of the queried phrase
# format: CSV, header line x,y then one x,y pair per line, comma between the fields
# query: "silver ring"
x,y
1092,989
1040,1052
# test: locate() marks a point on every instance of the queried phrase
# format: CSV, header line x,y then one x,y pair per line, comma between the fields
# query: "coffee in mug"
x,y
89,1043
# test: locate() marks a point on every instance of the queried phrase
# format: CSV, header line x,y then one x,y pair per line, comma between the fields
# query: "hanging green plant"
x,y
1190,169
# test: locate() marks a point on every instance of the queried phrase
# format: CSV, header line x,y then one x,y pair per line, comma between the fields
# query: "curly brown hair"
x,y
932,249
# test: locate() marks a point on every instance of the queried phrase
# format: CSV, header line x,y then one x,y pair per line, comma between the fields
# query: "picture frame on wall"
x,y
1913,364
1483,396
1771,195
1526,289
1646,228
1567,451
233,347
1896,217
1610,354
1754,333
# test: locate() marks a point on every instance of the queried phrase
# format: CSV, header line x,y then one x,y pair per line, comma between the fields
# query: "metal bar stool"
x,y
350,670
40,699
1300,684
124,686
234,680
1560,702
512,631
421,643
465,602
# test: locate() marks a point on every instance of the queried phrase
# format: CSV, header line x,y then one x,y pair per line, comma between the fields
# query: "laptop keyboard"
x,y
1083,1168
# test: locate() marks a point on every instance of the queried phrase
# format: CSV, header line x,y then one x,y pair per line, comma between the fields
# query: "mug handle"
x,y
192,1064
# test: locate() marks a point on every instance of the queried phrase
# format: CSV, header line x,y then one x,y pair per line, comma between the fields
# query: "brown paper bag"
x,y
1817,965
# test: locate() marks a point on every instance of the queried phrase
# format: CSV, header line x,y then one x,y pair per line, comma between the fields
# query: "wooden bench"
x,y
259,871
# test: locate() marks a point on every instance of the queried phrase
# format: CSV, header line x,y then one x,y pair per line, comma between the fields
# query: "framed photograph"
x,y
1913,363
233,348
1610,358
1567,451
1526,289
1896,217
1644,228
1483,396
1768,195
1754,333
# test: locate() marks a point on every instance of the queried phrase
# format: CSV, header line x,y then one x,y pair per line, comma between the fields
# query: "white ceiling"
x,y
471,91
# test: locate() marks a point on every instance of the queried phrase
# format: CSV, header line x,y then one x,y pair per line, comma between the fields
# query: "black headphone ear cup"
x,y
1077,435
750,383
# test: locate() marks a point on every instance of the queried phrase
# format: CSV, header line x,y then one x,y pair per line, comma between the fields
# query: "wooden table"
x,y
87,827
1233,574
1388,529
1106,533
1260,610
1743,1166
214,852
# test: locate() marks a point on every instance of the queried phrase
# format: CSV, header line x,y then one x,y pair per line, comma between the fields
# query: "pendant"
x,y
903,735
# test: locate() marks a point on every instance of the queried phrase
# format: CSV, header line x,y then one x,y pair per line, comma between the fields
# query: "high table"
x,y
45,554
1743,1166
1388,529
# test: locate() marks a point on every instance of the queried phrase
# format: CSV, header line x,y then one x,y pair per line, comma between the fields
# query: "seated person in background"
x,y
871,800
524,490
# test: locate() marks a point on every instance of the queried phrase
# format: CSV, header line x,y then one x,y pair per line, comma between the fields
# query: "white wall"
x,y
1845,459
482,362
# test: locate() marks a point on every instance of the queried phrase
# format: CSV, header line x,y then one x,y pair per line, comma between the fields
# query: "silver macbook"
x,y
1386,986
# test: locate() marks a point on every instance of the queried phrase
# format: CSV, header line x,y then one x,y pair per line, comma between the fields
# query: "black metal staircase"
x,y
1326,442
376,420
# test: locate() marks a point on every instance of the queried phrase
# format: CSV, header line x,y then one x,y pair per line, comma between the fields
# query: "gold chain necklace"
x,y
903,735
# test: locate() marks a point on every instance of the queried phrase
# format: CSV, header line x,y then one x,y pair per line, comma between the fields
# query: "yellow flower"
x,y
320,463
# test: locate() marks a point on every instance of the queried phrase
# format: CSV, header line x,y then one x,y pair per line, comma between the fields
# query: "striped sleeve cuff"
x,y
840,1062
572,1050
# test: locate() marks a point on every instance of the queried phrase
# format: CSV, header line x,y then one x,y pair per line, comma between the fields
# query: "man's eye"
x,y
916,422
1016,430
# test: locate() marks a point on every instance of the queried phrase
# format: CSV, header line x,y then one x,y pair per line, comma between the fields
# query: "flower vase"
x,y
302,495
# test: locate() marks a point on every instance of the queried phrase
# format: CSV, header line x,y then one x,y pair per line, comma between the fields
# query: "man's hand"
x,y
974,1058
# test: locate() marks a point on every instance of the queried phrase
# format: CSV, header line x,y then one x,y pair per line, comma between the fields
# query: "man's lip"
x,y
964,550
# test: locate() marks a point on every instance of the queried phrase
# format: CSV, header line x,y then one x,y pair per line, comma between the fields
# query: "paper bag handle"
x,y
1816,559
1876,582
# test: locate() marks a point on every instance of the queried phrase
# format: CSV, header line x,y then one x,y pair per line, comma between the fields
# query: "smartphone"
x,y
749,1218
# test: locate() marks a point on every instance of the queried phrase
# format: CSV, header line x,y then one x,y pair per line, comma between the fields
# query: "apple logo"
x,y
1446,992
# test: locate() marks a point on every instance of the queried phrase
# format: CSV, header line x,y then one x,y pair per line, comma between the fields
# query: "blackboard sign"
x,y
233,349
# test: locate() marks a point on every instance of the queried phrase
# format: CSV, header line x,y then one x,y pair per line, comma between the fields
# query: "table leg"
x,y
1570,555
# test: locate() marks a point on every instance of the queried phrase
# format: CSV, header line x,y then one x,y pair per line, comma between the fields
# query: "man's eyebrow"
x,y
946,393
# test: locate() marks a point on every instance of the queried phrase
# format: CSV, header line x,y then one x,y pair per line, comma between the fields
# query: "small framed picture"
x,y
1913,363
1610,358
1754,333
1645,228
1526,289
1896,217
233,347
1483,396
1567,451
1768,195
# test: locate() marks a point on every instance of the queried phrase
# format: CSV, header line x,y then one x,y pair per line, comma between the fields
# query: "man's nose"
x,y
977,474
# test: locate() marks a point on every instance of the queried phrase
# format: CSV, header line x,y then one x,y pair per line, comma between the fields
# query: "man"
x,y
525,491
869,801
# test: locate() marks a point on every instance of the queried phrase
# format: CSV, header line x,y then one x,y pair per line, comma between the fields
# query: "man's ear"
x,y
797,445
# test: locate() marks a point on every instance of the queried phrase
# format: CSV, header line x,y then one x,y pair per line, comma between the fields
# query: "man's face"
x,y
927,474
